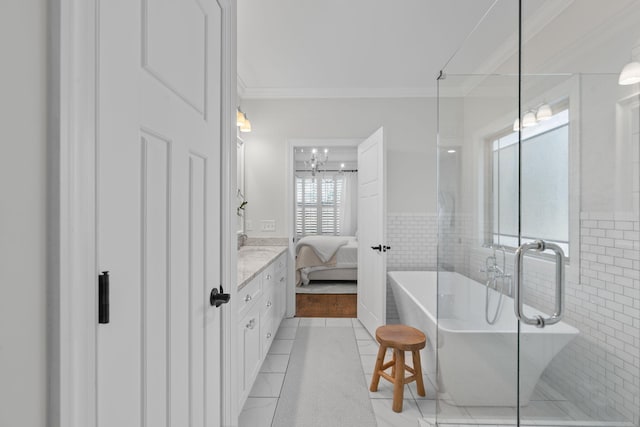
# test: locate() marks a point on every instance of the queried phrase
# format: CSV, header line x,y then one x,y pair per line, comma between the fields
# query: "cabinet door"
x,y
249,333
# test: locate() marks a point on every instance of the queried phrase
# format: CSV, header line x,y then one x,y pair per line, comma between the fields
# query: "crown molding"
x,y
334,93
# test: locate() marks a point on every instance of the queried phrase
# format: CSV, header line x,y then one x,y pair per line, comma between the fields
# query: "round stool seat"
x,y
402,337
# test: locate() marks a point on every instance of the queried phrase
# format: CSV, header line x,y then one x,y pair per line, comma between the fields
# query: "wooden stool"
x,y
401,338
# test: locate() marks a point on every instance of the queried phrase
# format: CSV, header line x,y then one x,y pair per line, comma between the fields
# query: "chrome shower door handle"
x,y
539,246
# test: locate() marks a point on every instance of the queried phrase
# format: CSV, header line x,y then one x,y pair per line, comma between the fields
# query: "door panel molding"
x,y
160,69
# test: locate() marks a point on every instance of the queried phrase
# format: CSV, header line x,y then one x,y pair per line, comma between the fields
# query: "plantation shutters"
x,y
318,201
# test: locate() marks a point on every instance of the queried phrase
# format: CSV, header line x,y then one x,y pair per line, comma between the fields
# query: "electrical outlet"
x,y
248,224
268,225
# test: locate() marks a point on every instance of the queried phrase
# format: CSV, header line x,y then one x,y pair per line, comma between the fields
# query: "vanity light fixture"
x,y
533,117
544,112
246,126
242,121
630,74
516,125
529,119
240,117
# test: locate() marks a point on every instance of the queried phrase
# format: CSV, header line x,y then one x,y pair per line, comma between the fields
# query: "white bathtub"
x,y
477,361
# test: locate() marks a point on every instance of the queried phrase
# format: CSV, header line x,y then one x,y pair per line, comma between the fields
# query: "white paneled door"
x,y
159,81
372,247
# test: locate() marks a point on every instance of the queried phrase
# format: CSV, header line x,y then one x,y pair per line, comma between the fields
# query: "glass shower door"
x,y
579,190
539,219
477,378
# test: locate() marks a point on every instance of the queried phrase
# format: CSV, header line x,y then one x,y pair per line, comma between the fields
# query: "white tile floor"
x,y
261,405
547,407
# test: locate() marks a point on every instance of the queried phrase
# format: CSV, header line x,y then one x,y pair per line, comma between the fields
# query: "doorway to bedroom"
x,y
324,227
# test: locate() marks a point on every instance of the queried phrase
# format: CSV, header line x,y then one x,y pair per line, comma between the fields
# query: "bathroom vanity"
x,y
262,284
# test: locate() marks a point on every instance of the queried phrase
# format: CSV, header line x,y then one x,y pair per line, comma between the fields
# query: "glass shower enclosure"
x,y
539,218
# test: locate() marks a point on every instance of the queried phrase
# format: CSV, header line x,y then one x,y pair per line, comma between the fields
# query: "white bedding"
x,y
346,258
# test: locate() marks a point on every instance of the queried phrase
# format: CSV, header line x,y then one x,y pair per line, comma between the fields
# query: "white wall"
x,y
410,131
22,213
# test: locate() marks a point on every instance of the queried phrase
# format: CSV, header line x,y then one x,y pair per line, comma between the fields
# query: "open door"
x,y
159,198
372,247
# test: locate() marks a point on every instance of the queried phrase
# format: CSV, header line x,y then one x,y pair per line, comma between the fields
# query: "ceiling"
x,y
361,48
396,48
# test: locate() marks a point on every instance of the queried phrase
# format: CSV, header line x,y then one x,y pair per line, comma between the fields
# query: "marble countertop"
x,y
254,259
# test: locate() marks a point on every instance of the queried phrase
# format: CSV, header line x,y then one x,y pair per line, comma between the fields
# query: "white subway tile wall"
x,y
600,369
413,240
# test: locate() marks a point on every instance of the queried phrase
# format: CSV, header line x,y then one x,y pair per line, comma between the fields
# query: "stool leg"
x,y
393,367
418,368
398,384
376,371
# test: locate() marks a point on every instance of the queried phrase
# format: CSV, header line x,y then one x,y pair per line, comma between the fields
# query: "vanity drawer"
x,y
268,276
249,295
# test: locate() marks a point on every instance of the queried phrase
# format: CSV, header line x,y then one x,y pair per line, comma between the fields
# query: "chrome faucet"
x,y
495,274
492,268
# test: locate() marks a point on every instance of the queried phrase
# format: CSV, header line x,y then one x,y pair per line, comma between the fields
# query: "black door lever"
x,y
218,298
377,248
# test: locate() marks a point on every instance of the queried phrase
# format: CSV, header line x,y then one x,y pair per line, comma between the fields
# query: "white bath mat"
x,y
324,385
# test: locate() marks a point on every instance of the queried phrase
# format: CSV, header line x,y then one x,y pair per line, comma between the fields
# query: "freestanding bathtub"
x,y
477,362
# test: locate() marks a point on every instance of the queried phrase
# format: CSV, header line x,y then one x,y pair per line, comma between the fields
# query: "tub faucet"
x,y
491,266
495,275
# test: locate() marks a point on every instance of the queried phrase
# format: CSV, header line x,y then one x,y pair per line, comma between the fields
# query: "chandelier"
x,y
315,160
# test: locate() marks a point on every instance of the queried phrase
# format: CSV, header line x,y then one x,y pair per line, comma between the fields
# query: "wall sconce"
x,y
533,117
529,119
242,121
630,73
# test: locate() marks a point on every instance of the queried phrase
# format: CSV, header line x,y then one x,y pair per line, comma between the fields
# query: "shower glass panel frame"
x,y
538,141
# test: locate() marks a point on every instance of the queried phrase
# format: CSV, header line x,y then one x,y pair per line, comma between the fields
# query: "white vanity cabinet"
x,y
250,351
261,310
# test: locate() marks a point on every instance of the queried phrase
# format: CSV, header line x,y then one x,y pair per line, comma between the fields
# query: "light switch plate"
x,y
268,225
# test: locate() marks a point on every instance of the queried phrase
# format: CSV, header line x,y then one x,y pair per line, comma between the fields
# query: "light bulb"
x,y
314,151
451,151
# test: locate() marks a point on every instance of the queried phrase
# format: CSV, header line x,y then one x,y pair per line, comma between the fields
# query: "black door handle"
x,y
377,248
218,298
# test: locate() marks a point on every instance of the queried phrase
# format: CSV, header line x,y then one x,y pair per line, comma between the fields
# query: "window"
x,y
544,186
318,201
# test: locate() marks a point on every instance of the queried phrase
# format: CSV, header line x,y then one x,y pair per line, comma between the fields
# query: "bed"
x,y
328,258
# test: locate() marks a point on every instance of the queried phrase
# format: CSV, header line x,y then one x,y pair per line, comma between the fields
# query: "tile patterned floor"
x,y
261,405
546,408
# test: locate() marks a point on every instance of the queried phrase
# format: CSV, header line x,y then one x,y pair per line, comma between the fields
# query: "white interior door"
x,y
158,94
372,213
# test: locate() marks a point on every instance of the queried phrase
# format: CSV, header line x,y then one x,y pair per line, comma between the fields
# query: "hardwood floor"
x,y
326,305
